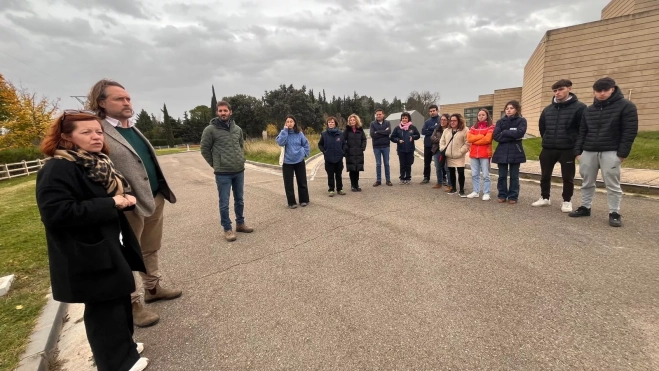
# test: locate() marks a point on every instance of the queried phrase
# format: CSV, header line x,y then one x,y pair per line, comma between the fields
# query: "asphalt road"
x,y
402,278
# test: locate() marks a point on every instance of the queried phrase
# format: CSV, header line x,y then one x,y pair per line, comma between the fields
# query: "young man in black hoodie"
x,y
427,130
380,130
606,135
559,127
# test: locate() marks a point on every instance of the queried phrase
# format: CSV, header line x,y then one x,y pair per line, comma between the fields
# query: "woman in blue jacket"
x,y
509,154
331,145
404,136
296,149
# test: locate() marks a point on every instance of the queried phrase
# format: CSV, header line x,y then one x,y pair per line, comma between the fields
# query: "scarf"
x,y
405,126
333,130
480,125
98,167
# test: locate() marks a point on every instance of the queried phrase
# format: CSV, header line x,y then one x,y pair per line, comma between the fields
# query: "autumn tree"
x,y
24,115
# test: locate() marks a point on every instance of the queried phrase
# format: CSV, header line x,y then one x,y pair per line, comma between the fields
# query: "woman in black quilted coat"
x,y
509,154
355,145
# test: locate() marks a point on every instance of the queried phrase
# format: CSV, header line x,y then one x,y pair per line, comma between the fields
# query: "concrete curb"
x,y
626,187
44,337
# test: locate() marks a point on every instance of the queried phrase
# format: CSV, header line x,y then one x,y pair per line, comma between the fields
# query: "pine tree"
x,y
167,123
144,123
213,103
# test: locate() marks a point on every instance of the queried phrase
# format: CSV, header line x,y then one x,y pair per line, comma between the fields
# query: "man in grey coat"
x,y
135,158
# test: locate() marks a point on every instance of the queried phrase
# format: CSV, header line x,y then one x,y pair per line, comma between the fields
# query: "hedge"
x,y
13,155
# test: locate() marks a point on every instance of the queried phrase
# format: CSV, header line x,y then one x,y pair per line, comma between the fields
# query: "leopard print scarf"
x,y
99,169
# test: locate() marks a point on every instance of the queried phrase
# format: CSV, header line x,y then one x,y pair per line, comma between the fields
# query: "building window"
x,y
471,115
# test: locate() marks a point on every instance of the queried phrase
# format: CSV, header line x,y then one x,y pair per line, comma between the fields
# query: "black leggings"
x,y
461,177
354,179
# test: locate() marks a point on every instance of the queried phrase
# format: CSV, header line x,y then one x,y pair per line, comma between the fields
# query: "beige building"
x,y
623,45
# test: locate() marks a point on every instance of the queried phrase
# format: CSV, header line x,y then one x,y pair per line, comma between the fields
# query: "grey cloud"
x,y
126,7
378,48
75,28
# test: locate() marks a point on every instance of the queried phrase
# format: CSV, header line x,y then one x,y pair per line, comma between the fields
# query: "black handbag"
x,y
442,154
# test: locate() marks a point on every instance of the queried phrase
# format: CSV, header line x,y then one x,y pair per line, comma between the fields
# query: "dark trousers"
x,y
505,192
406,159
298,170
334,175
354,179
427,160
109,326
460,177
549,158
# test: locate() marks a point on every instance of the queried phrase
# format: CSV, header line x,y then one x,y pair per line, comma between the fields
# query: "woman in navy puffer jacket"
x,y
509,154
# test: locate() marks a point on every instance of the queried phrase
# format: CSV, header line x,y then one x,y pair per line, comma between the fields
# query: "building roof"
x,y
396,116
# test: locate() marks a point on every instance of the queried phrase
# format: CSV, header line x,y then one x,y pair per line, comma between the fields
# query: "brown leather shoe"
x,y
437,186
143,317
512,202
449,188
161,293
501,200
229,235
244,228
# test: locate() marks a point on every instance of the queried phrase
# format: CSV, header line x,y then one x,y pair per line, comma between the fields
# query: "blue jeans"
x,y
478,165
224,185
505,192
439,170
382,154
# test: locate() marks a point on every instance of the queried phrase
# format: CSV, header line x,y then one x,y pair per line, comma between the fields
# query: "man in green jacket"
x,y
222,147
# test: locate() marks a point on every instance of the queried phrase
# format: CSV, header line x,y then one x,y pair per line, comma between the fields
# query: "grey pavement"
x,y
402,278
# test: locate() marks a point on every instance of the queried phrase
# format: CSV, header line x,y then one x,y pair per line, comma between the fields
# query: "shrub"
x,y
272,130
13,155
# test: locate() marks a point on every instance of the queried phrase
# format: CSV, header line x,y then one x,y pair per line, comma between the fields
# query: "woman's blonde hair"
x,y
357,119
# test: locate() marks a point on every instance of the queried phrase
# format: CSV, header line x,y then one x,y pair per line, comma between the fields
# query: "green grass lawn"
x,y
22,253
644,154
270,158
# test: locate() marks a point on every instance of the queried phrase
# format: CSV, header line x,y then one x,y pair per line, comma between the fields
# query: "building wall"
x,y
483,101
646,5
532,97
617,8
625,48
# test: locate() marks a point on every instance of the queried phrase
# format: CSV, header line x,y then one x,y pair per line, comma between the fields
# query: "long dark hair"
x,y
296,128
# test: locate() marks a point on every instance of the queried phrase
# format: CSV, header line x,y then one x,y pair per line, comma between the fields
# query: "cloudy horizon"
x,y
172,52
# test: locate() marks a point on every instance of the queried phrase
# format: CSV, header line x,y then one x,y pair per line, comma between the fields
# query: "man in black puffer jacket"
x,y
559,127
606,135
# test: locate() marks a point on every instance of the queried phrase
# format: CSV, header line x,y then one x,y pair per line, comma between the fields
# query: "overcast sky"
x,y
166,51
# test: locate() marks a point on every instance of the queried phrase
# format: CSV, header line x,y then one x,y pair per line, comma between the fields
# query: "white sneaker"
x,y
542,202
486,197
567,207
472,195
140,348
140,365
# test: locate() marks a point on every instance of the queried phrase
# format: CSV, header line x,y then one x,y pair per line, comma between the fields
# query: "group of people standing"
x,y
101,195
600,136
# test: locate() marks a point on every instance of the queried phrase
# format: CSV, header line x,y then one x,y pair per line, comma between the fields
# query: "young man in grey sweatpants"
x,y
606,135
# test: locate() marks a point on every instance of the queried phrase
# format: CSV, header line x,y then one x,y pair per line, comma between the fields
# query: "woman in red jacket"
x,y
480,137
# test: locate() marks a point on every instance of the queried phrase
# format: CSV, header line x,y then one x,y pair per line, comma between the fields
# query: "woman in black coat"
x,y
355,145
92,250
509,154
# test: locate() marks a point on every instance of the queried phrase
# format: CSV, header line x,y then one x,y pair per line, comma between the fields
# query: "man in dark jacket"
x,y
427,130
380,130
606,135
559,126
222,147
